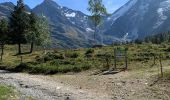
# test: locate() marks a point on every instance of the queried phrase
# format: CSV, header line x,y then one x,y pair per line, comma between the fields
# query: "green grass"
x,y
77,60
8,93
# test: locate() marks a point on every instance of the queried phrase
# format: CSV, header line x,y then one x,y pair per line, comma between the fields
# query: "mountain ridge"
x,y
136,19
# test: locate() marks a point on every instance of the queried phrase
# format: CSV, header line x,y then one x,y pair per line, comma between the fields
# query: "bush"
x,y
76,69
64,69
168,50
89,53
47,58
58,56
55,56
72,55
22,67
86,67
66,62
55,62
39,59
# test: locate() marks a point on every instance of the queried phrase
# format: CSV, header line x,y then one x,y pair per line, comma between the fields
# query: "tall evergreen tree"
x,y
3,35
97,9
19,24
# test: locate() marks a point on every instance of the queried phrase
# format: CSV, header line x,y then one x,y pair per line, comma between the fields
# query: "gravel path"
x,y
128,85
38,87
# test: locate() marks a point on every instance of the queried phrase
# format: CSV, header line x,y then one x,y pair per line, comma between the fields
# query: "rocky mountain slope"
x,y
5,9
70,29
138,19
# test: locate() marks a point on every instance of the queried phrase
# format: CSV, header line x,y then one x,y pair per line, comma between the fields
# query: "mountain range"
x,y
73,29
138,19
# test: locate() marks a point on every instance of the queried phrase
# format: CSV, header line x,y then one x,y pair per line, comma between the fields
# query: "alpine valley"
x,y
73,29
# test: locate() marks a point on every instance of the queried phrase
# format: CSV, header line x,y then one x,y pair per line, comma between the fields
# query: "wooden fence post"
x,y
126,65
115,58
160,60
21,59
1,52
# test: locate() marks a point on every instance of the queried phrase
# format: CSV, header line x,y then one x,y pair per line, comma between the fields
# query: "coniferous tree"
x,y
97,9
19,24
3,35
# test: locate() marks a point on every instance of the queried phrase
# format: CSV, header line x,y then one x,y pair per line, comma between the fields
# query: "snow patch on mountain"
x,y
89,30
73,22
70,14
164,6
125,36
28,13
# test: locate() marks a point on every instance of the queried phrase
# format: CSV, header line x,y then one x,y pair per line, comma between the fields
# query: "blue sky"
x,y
80,5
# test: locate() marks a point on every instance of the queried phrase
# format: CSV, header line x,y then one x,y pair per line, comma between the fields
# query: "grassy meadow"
x,y
77,60
8,93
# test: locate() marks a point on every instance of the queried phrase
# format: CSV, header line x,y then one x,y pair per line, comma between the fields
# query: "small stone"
x,y
67,98
26,86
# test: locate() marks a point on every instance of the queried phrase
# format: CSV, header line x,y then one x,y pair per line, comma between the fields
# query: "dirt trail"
x,y
41,88
129,85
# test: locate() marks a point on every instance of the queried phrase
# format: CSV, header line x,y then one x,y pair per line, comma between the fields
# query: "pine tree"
x,y
3,34
97,9
19,24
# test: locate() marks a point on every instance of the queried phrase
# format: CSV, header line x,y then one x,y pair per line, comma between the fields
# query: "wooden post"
x,y
115,58
1,57
21,58
126,65
1,52
160,60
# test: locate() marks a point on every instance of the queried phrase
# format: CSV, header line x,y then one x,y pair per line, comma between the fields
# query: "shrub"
x,y
89,53
44,69
76,69
58,56
55,62
65,69
39,59
66,62
51,56
47,58
22,67
71,55
86,67
168,50
55,56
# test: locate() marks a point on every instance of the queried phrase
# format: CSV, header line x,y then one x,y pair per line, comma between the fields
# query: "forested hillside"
x,y
159,38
